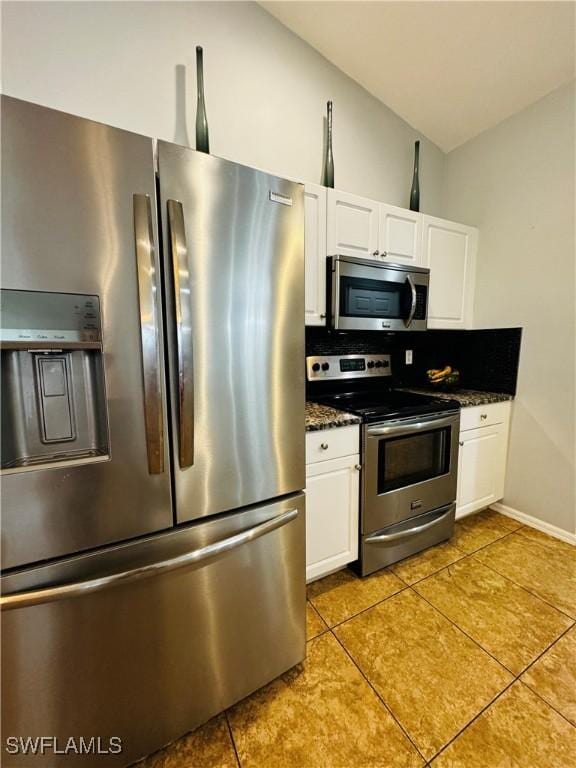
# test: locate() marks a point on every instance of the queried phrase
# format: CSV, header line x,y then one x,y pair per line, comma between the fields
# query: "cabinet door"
x,y
315,254
481,468
332,489
400,235
352,225
449,250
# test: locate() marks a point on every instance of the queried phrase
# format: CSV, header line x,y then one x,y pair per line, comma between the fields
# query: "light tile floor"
x,y
461,657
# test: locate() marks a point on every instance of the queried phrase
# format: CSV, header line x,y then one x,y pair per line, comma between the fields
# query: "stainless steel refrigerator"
x,y
153,533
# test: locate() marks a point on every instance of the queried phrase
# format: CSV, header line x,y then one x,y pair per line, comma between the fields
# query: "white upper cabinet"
x,y
352,225
315,254
449,251
400,235
338,223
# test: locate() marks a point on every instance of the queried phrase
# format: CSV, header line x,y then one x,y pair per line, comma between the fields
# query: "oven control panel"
x,y
347,366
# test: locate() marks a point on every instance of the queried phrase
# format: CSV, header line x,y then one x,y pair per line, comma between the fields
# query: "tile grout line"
x,y
444,567
547,703
463,631
476,716
465,555
516,679
477,642
378,696
339,624
565,632
231,734
532,663
530,591
388,569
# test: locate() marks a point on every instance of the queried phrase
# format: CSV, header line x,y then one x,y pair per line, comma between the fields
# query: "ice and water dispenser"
x,y
53,390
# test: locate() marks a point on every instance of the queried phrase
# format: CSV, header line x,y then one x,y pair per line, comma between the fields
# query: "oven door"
x,y
374,297
410,468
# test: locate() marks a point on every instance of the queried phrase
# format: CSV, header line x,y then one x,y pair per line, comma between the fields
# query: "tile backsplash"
x,y
486,359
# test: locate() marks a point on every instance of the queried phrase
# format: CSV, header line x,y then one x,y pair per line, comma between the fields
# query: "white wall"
x,y
266,90
516,182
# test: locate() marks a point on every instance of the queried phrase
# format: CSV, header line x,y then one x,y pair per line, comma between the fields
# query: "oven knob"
x,y
378,363
316,367
370,363
325,366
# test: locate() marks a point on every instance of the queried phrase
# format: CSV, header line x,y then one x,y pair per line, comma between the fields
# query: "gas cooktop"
x,y
359,384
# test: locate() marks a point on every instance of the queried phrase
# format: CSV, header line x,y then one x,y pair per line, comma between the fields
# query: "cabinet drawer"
x,y
329,444
484,415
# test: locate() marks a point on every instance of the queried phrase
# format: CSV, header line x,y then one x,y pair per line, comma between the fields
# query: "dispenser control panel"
x,y
49,318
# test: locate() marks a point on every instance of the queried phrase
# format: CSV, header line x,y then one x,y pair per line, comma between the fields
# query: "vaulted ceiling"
x,y
450,69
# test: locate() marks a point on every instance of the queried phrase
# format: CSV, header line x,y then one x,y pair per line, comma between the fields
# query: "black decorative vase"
x,y
202,140
415,191
329,159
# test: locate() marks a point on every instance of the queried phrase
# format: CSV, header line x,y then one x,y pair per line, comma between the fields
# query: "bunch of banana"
x,y
446,375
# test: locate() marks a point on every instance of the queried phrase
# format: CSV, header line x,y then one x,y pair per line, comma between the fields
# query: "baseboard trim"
x,y
534,522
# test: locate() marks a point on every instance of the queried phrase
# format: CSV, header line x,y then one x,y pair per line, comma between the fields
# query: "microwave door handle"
x,y
151,367
412,312
184,341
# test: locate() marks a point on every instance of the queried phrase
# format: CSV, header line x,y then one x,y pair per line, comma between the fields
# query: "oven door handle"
x,y
413,296
414,425
386,538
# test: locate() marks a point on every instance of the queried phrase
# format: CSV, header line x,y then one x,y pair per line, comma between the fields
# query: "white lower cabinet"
x,y
332,511
482,458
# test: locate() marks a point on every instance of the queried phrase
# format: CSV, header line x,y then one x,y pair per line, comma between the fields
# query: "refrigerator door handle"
x,y
148,292
193,558
183,310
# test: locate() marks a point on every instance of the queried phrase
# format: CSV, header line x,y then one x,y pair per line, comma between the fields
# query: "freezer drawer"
x,y
147,640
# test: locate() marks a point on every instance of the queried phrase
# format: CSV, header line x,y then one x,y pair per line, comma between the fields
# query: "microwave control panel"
x,y
347,366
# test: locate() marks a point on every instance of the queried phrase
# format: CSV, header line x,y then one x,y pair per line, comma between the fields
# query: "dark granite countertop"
x,y
466,397
325,417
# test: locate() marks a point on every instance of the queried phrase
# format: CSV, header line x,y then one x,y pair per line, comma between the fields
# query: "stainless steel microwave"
x,y
366,295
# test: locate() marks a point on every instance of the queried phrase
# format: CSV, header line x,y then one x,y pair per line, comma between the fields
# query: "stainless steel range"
x,y
409,456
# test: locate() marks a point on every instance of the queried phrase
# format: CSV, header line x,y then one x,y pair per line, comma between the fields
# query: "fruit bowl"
x,y
444,379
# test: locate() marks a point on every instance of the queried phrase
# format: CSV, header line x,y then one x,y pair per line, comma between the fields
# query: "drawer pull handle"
x,y
358,467
483,416
324,446
460,442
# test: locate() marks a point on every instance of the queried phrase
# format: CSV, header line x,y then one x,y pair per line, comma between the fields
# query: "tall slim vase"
x,y
415,191
328,180
202,140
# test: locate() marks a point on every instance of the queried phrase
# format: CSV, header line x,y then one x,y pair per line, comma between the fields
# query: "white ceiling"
x,y
450,69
